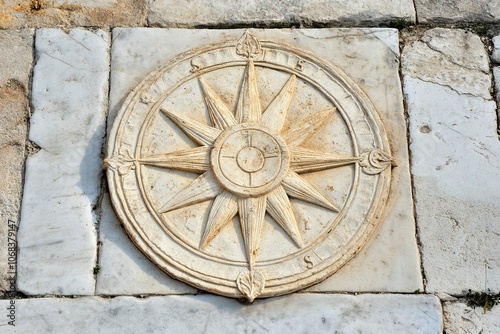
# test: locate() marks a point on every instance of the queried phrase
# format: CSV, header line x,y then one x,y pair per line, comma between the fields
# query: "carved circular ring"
x,y
249,160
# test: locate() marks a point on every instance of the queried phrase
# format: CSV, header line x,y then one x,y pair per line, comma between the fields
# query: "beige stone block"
x,y
72,13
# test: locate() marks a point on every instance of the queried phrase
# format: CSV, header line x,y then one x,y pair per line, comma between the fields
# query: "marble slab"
x,y
169,13
301,313
72,13
455,165
16,57
391,261
57,235
449,11
461,318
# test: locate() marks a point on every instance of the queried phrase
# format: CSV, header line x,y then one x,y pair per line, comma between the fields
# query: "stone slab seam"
x,y
416,13
496,93
27,151
31,147
494,88
97,206
412,181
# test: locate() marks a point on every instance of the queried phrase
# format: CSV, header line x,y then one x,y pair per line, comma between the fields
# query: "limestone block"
x,y
370,57
460,318
300,313
57,238
449,11
16,57
124,270
72,13
204,13
455,163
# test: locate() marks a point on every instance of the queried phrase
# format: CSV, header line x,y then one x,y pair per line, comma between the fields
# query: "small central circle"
x,y
250,159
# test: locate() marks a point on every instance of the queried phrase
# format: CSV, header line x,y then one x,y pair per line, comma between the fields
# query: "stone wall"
x,y
430,68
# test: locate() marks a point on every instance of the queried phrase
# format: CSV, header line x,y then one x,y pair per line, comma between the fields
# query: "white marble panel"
x,y
57,237
300,313
455,165
461,318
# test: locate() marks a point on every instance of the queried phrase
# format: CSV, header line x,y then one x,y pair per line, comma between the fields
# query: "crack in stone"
x,y
451,60
70,65
450,87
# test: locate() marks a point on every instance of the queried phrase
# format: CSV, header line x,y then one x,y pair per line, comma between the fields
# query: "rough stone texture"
x,y
453,58
124,270
201,12
16,57
390,262
455,163
448,11
460,318
302,313
72,13
57,241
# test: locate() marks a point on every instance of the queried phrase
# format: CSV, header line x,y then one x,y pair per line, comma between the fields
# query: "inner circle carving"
x,y
249,160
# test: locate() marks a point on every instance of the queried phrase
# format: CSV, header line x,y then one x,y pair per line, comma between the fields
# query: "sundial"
x,y
249,168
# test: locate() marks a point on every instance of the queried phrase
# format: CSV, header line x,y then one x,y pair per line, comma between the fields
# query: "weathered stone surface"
x,y
201,12
136,52
449,11
72,13
453,58
16,57
455,165
460,318
57,238
301,313
124,270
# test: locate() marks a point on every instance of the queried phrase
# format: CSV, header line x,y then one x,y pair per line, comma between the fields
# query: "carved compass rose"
x,y
201,152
